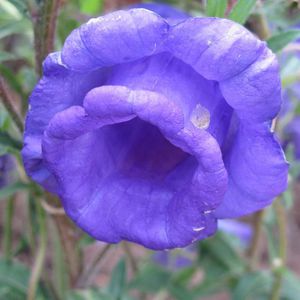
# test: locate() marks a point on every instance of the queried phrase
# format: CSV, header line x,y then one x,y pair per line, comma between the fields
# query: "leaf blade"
x,y
279,41
241,11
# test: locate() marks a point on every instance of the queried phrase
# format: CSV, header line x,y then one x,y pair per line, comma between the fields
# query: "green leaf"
x,y
182,277
20,5
179,292
13,27
9,190
253,286
241,11
88,294
4,56
221,249
290,287
14,278
219,259
279,41
216,8
60,274
12,80
9,142
151,279
118,280
91,7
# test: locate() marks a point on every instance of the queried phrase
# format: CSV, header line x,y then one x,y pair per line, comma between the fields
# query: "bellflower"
x,y
293,133
151,132
6,167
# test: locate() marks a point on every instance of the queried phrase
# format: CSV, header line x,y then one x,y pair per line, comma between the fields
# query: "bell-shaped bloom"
x,y
6,167
293,136
150,132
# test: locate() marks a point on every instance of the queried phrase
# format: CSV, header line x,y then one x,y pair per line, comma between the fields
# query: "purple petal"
x,y
6,167
255,93
293,132
132,125
119,37
172,14
257,171
216,48
165,197
242,231
57,90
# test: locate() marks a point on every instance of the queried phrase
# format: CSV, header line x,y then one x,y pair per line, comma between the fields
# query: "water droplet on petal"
x,y
197,229
200,117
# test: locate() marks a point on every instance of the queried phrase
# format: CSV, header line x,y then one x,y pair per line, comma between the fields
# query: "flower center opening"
x,y
141,151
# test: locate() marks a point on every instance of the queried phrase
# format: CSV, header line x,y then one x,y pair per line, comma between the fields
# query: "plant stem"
x,y
84,278
44,23
279,268
132,261
254,246
69,241
68,238
41,253
7,101
7,238
259,25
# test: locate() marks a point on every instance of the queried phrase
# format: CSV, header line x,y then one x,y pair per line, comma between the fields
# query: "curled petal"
x,y
157,186
293,135
115,38
255,93
57,90
257,171
172,14
216,48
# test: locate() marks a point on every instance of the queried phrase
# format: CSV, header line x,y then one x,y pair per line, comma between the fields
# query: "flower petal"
x,y
115,38
255,94
58,89
178,81
257,171
216,48
293,135
172,14
129,193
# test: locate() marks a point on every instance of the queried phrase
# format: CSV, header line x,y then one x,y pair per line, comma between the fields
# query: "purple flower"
x,y
293,133
175,259
172,14
242,231
6,166
150,132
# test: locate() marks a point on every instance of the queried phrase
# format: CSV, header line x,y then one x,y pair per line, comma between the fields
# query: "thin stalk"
x,y
7,238
84,278
44,24
30,223
59,277
40,256
253,250
280,264
130,256
68,238
259,25
8,101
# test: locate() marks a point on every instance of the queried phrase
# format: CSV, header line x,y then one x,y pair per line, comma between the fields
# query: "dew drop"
x,y
197,229
200,117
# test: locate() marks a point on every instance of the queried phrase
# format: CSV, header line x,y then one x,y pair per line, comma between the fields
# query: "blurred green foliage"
x,y
219,264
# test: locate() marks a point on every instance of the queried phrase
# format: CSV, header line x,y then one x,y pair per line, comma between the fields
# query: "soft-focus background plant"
x,y
43,256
